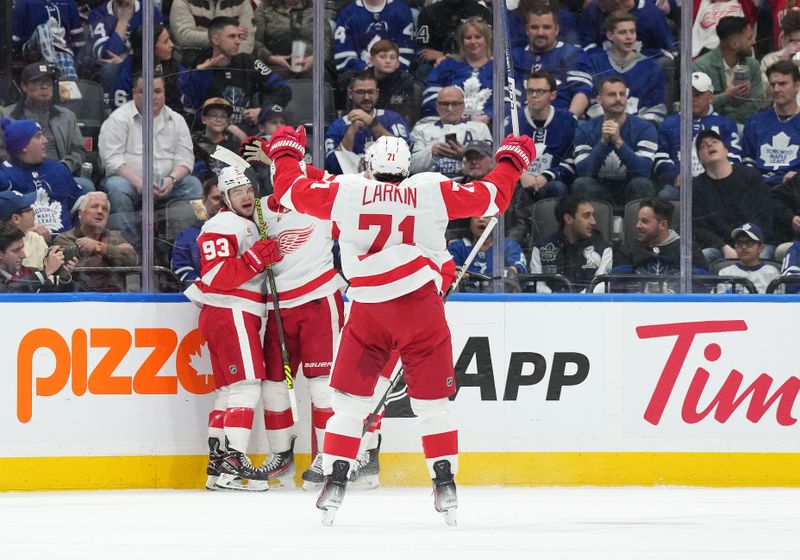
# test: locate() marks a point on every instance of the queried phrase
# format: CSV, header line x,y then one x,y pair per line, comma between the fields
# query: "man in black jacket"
x,y
725,197
657,249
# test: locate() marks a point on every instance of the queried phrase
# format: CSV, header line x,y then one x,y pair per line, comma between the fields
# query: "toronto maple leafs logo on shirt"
x,y
48,212
613,168
543,161
237,97
780,153
549,255
475,96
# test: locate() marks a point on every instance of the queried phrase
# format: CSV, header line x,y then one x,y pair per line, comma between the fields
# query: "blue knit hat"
x,y
18,133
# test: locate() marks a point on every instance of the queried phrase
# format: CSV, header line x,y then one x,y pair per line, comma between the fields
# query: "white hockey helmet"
x,y
230,178
302,163
389,155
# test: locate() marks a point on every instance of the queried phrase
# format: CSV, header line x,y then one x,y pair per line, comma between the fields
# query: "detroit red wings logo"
x,y
291,240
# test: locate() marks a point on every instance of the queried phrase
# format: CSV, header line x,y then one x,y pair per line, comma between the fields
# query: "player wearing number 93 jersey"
x,y
231,293
394,255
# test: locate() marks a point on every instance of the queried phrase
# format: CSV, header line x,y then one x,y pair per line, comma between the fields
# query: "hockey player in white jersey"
x,y
312,313
393,252
232,296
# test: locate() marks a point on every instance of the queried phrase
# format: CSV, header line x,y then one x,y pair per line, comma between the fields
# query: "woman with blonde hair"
x,y
471,70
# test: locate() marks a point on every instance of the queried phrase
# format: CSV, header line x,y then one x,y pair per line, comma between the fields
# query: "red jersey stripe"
x,y
394,274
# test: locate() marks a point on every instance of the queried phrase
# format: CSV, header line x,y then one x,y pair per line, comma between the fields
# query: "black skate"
x,y
332,495
445,499
238,473
313,477
366,470
280,466
212,470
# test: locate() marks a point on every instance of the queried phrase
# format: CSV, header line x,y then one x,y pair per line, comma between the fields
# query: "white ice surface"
x,y
493,523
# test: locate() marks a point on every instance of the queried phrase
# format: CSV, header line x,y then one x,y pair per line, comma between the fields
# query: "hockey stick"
x,y
512,85
450,290
287,366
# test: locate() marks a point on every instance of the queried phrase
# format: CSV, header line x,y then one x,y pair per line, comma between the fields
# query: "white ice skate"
x,y
445,499
332,494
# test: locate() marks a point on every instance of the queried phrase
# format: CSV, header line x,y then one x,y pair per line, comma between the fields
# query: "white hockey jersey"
x,y
225,279
392,236
306,271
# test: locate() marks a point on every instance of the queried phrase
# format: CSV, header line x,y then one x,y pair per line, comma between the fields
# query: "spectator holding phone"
x,y
439,144
54,275
734,73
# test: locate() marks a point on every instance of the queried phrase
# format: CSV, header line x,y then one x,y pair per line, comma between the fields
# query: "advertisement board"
x,y
592,391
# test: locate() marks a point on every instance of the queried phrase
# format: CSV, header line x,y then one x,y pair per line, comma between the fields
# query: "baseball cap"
x,y
268,112
217,102
701,82
706,133
12,202
750,230
37,70
483,147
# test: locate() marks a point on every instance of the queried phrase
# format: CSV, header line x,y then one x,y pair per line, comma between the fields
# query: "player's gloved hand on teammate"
x,y
262,254
288,141
254,150
520,151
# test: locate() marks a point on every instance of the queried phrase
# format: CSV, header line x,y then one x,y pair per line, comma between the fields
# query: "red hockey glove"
x,y
287,141
261,255
254,150
519,150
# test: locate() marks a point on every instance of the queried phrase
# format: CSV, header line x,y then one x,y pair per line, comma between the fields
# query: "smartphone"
x,y
451,138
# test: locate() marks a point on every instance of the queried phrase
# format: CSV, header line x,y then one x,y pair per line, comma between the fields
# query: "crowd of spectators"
x,y
596,87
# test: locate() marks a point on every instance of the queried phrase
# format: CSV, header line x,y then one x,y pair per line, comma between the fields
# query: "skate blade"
x,y
211,482
312,486
283,482
328,515
368,482
450,517
232,482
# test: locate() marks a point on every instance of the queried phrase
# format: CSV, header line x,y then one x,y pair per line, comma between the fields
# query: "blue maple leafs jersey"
x,y
771,145
103,23
568,64
634,159
554,143
476,83
27,15
55,188
358,28
647,89
652,30
390,120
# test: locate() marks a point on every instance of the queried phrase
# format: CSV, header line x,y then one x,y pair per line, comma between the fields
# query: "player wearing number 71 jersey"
x,y
394,254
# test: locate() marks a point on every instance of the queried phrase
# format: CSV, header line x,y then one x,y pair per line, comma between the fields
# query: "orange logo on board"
x,y
70,360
